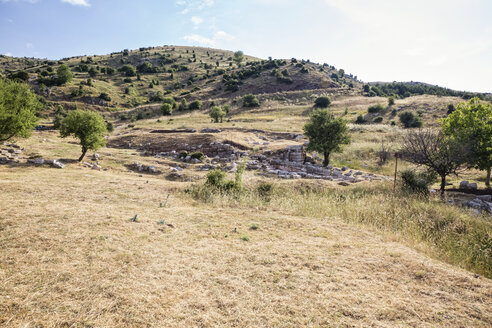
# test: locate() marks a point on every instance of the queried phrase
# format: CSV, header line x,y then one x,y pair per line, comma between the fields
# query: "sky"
x,y
443,42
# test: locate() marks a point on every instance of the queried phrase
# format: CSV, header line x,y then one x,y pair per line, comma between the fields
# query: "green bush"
x,y
375,108
417,182
198,155
195,105
391,101
378,119
250,101
104,96
166,109
109,126
360,120
410,120
322,102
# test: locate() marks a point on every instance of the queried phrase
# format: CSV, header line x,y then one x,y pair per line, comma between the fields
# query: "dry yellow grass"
x,y
71,257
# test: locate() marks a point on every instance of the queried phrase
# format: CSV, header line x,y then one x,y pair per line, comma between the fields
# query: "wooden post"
x,y
397,155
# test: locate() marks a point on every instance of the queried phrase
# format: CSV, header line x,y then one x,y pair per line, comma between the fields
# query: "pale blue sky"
x,y
444,42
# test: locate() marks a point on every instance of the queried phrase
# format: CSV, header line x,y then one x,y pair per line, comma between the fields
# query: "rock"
x,y
96,167
95,157
344,184
485,198
344,168
468,186
57,164
37,161
210,130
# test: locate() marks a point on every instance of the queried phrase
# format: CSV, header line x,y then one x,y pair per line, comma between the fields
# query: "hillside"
x,y
143,76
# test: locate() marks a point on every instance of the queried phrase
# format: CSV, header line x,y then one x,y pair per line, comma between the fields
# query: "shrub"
x,y
109,126
451,109
195,105
265,190
170,101
391,101
198,155
60,114
378,119
104,96
375,108
166,109
250,101
128,70
322,102
63,74
360,120
417,182
410,120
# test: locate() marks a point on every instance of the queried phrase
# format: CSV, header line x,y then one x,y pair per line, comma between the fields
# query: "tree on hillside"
x,y
250,101
432,149
88,127
238,58
322,102
217,114
63,74
18,107
326,134
472,123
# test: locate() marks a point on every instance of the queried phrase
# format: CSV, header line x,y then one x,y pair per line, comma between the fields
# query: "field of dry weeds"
x,y
71,256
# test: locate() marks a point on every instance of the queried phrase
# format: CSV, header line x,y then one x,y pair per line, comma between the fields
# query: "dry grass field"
x,y
70,255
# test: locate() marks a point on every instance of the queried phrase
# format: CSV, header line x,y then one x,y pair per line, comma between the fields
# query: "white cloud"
x,y
84,3
29,45
8,54
196,20
221,35
194,5
195,38
202,40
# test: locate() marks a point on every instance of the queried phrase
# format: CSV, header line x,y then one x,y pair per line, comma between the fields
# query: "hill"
x,y
144,76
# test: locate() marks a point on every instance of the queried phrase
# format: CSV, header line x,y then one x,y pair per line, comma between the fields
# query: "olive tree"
x,y
326,133
239,58
472,123
63,74
432,149
88,127
18,107
217,114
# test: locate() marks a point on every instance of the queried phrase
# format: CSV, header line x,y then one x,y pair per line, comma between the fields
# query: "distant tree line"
x,y
404,90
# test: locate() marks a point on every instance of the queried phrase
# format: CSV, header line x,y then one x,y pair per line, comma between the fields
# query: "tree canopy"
x,y
238,57
217,113
432,149
18,107
326,133
63,74
472,123
88,127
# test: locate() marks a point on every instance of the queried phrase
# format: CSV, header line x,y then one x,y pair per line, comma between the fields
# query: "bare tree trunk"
x,y
487,180
84,151
443,184
327,158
